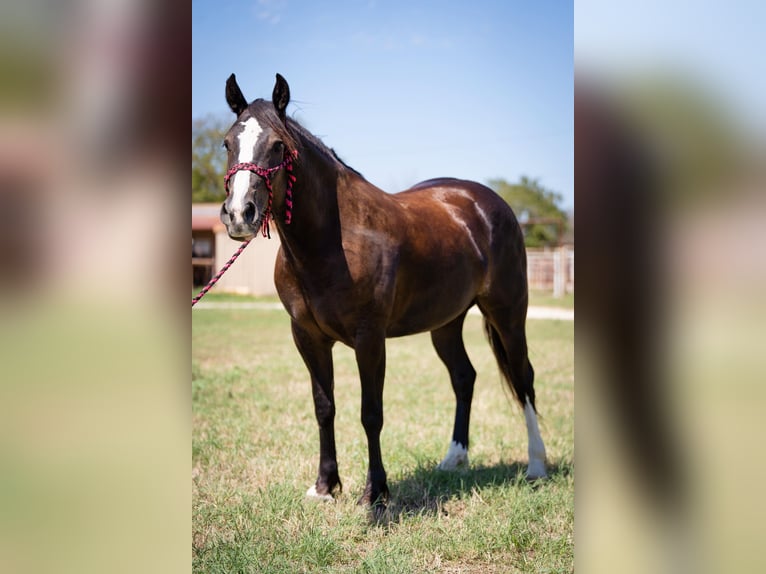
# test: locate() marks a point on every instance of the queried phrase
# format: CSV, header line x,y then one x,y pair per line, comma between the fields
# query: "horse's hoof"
x,y
536,470
312,494
457,455
376,503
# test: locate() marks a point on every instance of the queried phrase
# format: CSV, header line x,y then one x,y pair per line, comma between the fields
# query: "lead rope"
x,y
215,279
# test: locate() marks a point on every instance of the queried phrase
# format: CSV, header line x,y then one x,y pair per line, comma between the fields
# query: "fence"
x,y
551,270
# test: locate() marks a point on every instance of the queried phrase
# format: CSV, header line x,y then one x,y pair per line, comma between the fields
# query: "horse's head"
x,y
258,146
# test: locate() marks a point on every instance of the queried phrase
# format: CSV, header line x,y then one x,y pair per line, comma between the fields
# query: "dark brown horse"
x,y
358,265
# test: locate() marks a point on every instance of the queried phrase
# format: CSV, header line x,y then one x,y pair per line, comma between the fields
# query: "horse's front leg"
x,y
371,358
316,350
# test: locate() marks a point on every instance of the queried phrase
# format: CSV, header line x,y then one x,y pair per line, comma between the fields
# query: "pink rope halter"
x,y
265,173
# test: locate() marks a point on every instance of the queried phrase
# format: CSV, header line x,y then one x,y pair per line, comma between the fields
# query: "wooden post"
x,y
560,272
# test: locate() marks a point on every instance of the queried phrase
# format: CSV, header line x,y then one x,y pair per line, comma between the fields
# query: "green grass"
x,y
542,298
255,449
546,299
232,297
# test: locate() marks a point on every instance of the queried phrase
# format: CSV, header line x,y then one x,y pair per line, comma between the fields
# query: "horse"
x,y
358,265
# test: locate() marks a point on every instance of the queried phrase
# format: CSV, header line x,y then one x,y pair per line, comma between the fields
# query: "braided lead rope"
x,y
215,279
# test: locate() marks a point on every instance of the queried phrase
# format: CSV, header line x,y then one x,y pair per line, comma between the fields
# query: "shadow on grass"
x,y
426,489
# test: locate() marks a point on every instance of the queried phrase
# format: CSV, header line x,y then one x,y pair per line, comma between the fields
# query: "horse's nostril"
x,y
249,214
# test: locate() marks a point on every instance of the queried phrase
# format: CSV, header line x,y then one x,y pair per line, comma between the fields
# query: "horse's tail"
x,y
517,371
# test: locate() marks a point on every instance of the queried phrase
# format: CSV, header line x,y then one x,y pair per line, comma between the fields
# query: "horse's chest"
x,y
330,309
334,323
333,314
342,294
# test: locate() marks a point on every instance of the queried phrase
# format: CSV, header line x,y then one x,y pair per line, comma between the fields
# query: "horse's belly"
x,y
413,327
427,313
422,322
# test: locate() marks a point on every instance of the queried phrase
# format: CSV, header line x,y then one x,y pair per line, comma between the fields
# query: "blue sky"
x,y
406,90
719,45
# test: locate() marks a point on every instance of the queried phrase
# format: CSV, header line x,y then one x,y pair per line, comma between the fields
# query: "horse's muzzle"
x,y
240,225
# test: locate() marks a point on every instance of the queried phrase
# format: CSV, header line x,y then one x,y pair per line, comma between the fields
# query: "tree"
x,y
543,221
208,159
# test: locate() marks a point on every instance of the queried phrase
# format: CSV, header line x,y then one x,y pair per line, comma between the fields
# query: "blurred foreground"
x,y
670,180
94,403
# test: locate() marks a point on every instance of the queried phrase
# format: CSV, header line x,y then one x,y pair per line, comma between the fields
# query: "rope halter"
x,y
266,173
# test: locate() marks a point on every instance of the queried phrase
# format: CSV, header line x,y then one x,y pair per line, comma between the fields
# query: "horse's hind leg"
x,y
448,342
507,336
316,351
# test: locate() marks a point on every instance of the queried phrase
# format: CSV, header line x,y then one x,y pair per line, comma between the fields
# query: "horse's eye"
x,y
225,146
277,146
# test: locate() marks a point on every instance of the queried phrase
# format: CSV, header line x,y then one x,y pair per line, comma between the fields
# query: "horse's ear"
x,y
281,96
234,97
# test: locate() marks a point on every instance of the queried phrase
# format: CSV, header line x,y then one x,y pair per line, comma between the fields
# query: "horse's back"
x,y
449,188
447,183
483,210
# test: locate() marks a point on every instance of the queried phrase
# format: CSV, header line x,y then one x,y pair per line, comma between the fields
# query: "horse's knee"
x,y
372,413
325,414
372,420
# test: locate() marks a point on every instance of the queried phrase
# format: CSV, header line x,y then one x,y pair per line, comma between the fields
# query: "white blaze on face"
x,y
240,182
536,450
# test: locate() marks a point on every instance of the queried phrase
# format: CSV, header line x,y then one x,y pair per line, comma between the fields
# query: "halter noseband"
x,y
265,173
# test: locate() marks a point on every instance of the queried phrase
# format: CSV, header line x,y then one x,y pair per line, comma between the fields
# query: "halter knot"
x,y
266,173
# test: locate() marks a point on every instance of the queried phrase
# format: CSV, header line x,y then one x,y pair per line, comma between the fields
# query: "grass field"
x,y
255,450
535,298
